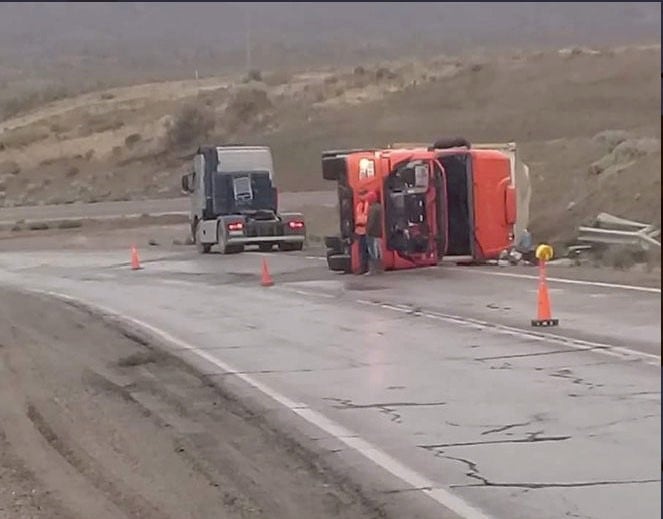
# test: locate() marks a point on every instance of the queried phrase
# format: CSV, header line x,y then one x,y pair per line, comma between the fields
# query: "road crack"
x,y
474,473
534,437
388,408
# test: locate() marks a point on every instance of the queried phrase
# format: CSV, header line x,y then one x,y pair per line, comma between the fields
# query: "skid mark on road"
x,y
414,479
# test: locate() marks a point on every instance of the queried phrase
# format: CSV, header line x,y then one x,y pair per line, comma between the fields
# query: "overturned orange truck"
x,y
446,200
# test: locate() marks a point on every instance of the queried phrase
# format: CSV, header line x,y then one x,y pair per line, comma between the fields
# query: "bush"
x,y
190,126
27,101
70,224
248,103
277,78
38,226
253,75
132,139
9,167
623,257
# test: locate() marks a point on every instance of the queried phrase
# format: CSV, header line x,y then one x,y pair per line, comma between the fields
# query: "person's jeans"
x,y
363,253
373,245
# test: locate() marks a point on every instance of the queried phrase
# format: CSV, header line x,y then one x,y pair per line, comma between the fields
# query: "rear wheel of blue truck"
x,y
203,248
224,247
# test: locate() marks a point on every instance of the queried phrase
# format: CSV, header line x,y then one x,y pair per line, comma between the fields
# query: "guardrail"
x,y
609,229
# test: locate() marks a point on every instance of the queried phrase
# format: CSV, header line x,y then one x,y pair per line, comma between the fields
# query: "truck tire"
x,y
203,248
339,263
334,243
224,248
452,142
286,247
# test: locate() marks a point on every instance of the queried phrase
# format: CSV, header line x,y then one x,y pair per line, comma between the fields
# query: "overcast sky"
x,y
66,26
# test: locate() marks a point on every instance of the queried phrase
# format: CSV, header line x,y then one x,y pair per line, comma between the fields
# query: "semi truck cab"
x,y
234,202
407,185
443,200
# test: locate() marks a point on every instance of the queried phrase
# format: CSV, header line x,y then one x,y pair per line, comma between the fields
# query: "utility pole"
x,y
248,38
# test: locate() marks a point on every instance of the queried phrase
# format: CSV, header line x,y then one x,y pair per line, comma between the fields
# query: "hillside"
x,y
57,49
585,121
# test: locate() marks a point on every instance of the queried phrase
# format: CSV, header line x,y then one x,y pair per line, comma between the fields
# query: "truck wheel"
x,y
203,248
339,263
224,248
220,239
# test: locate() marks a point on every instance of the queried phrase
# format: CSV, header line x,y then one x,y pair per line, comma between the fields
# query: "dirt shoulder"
x,y
96,424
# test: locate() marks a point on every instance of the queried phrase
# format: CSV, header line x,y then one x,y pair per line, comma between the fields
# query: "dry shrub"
x,y
38,226
27,101
623,257
277,78
9,167
253,75
189,126
24,136
133,139
100,124
384,73
70,224
212,98
246,105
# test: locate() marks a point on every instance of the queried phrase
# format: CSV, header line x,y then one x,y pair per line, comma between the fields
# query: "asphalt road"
x,y
430,384
134,208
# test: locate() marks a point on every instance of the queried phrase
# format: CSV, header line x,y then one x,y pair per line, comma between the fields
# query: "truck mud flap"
x,y
339,263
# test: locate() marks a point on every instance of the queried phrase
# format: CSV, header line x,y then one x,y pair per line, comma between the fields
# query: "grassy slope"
x,y
551,103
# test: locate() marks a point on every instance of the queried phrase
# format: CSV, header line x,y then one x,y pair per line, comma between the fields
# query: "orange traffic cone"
x,y
544,315
266,280
135,262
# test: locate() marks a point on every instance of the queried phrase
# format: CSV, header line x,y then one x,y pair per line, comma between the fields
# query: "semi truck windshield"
x,y
243,191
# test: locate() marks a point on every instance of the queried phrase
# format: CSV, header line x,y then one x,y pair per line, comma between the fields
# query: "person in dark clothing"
x,y
374,234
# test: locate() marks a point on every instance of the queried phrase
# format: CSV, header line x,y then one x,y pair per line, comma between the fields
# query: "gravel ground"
x,y
94,423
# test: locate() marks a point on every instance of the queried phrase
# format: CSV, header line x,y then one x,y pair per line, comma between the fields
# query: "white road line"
x,y
562,280
529,276
371,452
578,344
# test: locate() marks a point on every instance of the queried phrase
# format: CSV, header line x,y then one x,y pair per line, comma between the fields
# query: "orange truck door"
x,y
494,203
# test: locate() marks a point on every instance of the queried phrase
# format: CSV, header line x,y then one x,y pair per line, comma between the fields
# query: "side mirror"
x,y
185,184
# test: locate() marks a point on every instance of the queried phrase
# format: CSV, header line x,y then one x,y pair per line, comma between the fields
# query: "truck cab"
x,y
407,183
234,202
443,200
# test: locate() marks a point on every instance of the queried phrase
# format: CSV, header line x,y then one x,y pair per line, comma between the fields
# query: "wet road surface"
x,y
429,382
